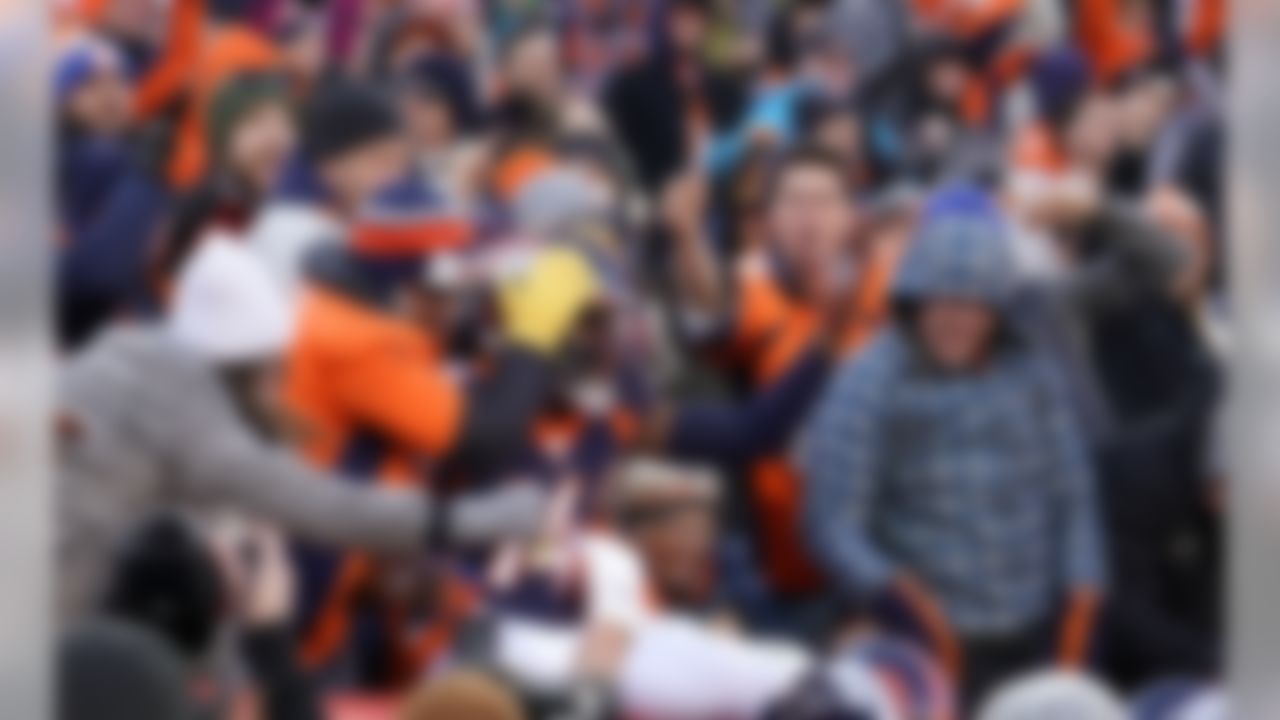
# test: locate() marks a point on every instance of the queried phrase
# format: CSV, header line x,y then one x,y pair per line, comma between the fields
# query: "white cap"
x,y
226,306
1053,694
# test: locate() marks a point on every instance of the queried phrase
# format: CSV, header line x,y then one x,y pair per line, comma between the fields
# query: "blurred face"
x,y
810,219
138,20
677,549
1142,109
429,122
357,175
688,29
1091,134
260,144
947,79
534,67
956,334
829,68
303,57
804,23
104,104
841,135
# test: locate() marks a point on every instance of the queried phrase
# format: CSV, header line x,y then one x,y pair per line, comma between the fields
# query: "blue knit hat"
x,y
960,249
1059,79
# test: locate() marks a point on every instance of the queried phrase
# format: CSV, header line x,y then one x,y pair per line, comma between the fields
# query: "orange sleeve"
x,y
403,396
1208,23
187,161
1012,64
872,297
172,70
757,315
1110,46
1095,24
91,11
973,19
975,102
515,170
1077,628
965,19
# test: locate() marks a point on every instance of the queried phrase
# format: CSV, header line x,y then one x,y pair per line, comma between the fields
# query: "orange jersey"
x,y
373,401
772,331
1206,26
966,19
171,74
1114,40
355,375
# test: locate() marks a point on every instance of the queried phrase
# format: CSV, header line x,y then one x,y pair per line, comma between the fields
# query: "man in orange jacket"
x,y
783,296
376,397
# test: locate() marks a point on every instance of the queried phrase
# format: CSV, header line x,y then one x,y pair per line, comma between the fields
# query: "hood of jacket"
x,y
960,250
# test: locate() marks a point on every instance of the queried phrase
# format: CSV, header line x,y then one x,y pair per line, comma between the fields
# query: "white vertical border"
x,y
26,360
1253,427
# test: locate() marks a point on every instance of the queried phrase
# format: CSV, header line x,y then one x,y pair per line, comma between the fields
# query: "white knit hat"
x,y
226,306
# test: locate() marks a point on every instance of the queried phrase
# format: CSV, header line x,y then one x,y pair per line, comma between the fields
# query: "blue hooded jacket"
x,y
977,484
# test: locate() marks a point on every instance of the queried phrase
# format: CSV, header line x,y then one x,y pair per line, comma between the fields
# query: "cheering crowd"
x,y
662,359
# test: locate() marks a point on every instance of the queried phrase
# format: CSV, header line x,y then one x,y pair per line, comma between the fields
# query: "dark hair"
x,y
782,48
193,213
815,111
705,8
806,156
446,80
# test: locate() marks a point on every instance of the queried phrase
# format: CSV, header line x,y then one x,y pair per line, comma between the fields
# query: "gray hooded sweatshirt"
x,y
145,427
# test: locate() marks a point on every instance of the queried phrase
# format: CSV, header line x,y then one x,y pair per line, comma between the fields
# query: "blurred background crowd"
x,y
663,359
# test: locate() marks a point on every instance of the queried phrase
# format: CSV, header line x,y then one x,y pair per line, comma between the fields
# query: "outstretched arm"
x,y
731,433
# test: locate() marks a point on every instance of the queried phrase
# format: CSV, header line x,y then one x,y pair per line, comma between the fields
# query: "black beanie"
x,y
166,580
344,116
451,81
110,670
